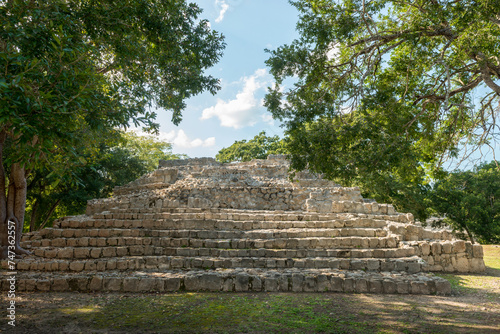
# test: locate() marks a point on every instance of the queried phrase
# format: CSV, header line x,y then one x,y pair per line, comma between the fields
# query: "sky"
x,y
236,112
211,123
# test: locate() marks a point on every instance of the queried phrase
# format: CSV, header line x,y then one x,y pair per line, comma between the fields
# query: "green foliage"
x,y
259,147
384,91
470,202
121,159
74,70
73,65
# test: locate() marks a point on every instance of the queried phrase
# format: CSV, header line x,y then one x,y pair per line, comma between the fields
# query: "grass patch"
x,y
492,256
228,313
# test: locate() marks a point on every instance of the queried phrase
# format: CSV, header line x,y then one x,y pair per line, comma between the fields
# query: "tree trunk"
x,y
50,214
16,203
469,234
34,214
3,200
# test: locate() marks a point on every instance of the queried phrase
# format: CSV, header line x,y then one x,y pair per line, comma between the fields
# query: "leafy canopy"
x,y
74,65
114,162
259,147
401,85
470,202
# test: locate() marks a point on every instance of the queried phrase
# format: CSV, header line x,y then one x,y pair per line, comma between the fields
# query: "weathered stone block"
x,y
389,286
130,284
77,265
477,251
60,284
375,286
112,284
241,282
270,284
403,287
458,246
361,285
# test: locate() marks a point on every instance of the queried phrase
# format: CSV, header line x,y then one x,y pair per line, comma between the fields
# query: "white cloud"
x,y
179,139
223,9
241,111
268,118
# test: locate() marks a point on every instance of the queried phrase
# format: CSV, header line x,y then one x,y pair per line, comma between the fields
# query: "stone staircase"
x,y
166,236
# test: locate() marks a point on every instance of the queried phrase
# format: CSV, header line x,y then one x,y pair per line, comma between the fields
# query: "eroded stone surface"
x,y
197,224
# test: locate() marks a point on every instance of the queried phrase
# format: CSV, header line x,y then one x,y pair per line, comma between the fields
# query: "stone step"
x,y
239,280
408,264
162,242
96,252
214,234
219,224
224,213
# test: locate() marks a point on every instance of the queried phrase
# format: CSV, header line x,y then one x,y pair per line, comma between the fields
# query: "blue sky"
x,y
211,123
236,112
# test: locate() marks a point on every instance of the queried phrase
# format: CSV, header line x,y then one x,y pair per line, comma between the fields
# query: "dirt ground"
x,y
473,307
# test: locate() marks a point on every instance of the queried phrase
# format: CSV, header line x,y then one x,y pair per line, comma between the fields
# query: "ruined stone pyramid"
x,y
198,225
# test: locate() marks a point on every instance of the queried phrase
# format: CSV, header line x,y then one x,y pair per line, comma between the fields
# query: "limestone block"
x,y
241,282
476,265
96,283
109,252
372,264
43,285
425,249
172,284
403,287
435,248
95,252
112,284
130,284
361,285
76,265
147,284
387,265
270,284
256,283
310,284
389,286
375,286
414,267
337,207
81,253
122,265
297,282
462,264
110,265
21,265
443,287
39,252
446,247
58,242
477,251
60,284
349,284
419,288
65,253
458,246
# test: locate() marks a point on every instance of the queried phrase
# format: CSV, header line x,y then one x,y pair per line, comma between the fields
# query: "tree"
x,y
257,148
387,88
469,201
117,161
73,69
